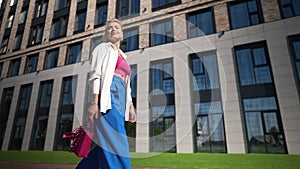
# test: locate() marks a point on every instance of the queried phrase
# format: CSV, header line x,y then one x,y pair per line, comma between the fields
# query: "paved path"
x,y
25,165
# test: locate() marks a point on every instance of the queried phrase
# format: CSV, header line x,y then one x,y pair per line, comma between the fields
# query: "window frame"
x,y
30,64
129,12
70,57
102,4
165,34
289,5
167,5
14,67
78,22
127,40
47,59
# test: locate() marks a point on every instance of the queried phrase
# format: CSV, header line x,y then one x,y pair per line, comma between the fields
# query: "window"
x,y
131,40
66,112
59,27
128,8
162,126
31,64
9,21
1,68
95,42
60,4
201,23
51,59
23,16
5,105
80,21
13,2
101,13
294,42
74,53
253,64
41,7
244,13
289,8
4,44
14,67
18,40
19,123
36,35
161,32
161,4
40,123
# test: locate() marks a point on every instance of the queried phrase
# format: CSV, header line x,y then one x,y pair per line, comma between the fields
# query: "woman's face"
x,y
114,32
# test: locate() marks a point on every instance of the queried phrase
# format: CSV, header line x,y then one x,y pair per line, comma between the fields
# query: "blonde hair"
x,y
107,23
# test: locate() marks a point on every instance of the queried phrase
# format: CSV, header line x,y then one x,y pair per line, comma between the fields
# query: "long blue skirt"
x,y
112,150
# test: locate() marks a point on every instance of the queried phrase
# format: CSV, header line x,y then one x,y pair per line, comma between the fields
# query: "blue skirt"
x,y
112,150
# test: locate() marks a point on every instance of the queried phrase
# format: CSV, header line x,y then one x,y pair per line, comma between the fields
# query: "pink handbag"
x,y
81,140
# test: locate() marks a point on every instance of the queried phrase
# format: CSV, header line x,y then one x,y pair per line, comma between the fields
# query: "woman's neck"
x,y
117,44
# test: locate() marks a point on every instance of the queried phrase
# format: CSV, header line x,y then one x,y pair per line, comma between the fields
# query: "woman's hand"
x,y
132,114
93,112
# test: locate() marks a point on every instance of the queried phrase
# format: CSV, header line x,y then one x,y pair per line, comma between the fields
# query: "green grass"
x,y
170,160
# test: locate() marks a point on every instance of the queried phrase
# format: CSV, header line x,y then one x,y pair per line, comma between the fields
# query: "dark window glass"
x,y
128,8
2,4
1,68
59,27
36,35
23,16
162,126
295,52
18,41
161,33
289,8
3,47
31,64
60,4
51,59
201,23
66,112
101,14
254,68
131,40
160,4
80,21
18,129
41,116
41,7
245,13
74,53
14,67
5,105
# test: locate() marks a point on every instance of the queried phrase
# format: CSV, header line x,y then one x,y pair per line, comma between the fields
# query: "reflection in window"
x,y
101,14
18,41
160,4
74,53
31,64
295,52
36,35
9,21
41,7
23,16
41,116
244,13
163,82
161,32
66,112
130,40
19,124
3,47
60,4
59,27
201,23
80,21
14,67
127,7
289,8
51,59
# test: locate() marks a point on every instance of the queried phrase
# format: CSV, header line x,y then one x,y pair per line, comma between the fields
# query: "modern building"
x,y
218,76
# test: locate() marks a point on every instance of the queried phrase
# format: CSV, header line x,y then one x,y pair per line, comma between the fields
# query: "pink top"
x,y
122,67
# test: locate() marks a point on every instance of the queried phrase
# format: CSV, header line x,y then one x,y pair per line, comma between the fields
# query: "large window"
x,y
244,13
51,59
80,21
19,124
257,92
161,4
74,53
59,27
14,67
289,8
161,32
201,23
31,63
5,105
3,47
18,40
60,4
209,127
36,35
39,129
1,68
162,126
295,52
41,7
128,8
101,13
23,16
131,40
66,112
10,21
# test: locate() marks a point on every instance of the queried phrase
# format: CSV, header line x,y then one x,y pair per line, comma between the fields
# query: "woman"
x,y
111,103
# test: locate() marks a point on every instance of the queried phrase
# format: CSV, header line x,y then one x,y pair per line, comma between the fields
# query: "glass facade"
x,y
18,129
244,13
162,101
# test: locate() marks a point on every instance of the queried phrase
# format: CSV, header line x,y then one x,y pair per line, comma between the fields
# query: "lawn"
x,y
171,160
